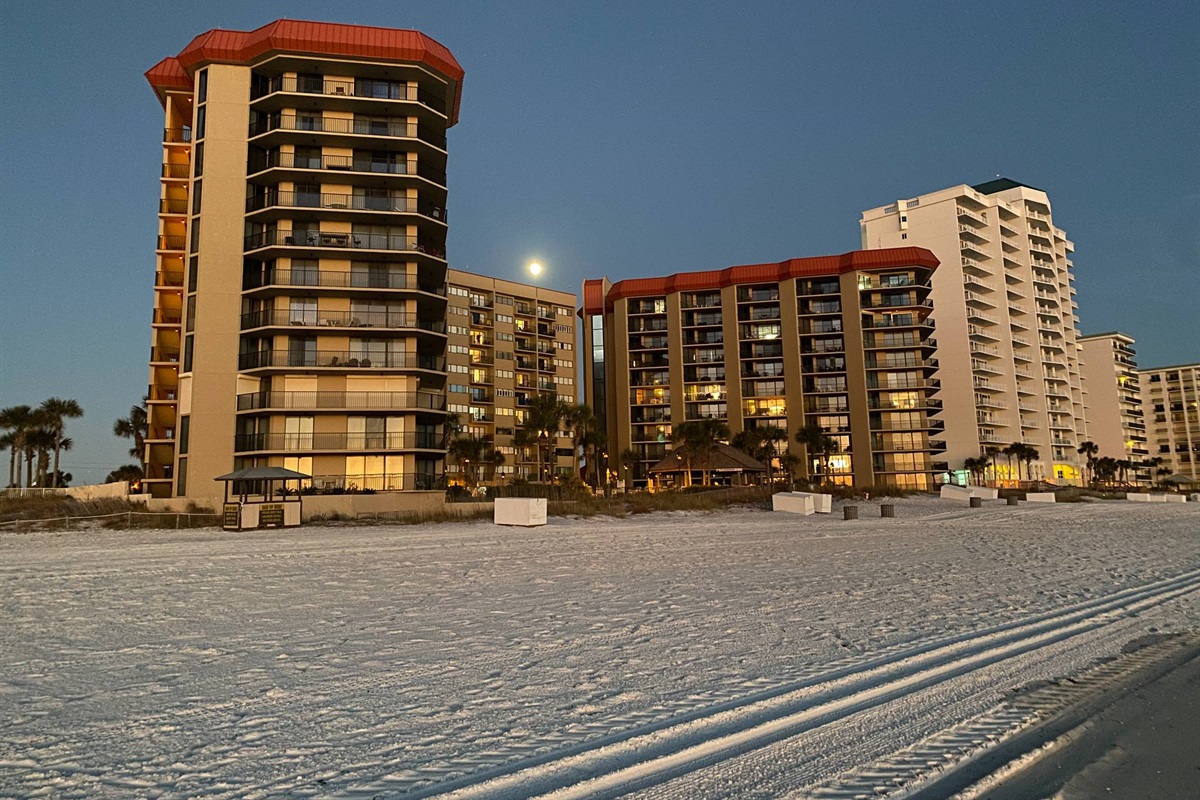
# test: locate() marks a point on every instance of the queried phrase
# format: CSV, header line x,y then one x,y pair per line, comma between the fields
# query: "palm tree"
x,y
473,454
543,418
1011,452
1029,454
589,437
8,442
769,439
1090,450
976,468
788,463
1124,465
989,456
700,438
129,472
58,410
39,443
18,420
817,443
629,460
134,427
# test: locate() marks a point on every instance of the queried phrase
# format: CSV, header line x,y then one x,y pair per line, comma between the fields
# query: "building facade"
x,y
1171,407
1004,318
1115,420
840,341
300,303
508,343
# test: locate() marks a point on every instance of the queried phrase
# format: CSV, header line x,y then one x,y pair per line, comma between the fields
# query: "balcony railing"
x,y
339,359
390,482
177,135
341,319
354,401
363,89
171,280
407,440
363,164
172,206
338,280
168,316
352,202
177,170
168,355
396,128
172,242
396,242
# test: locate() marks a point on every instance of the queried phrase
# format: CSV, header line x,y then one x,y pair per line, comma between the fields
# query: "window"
x,y
202,86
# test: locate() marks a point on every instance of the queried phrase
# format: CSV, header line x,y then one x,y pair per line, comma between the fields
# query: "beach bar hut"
x,y
258,497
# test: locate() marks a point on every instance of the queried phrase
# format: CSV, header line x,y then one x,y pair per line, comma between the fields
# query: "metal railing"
x,y
166,206
341,319
406,440
342,239
277,159
172,242
337,202
168,316
177,135
177,170
395,128
360,89
164,354
340,359
377,482
339,280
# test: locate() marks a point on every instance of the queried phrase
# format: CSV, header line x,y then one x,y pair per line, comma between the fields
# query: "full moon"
x,y
535,268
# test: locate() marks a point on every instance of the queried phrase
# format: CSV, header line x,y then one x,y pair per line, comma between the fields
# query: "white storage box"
x,y
524,511
793,502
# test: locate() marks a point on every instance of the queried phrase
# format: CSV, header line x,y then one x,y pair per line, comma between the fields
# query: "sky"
x,y
628,139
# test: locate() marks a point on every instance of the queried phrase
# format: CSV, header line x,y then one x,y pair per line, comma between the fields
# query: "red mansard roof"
x,y
317,38
889,258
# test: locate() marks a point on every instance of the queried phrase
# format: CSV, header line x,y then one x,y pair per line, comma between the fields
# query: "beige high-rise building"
x,y
1171,407
300,304
1115,421
508,343
1004,318
842,342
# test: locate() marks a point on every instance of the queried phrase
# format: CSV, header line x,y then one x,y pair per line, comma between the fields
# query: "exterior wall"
x,y
508,342
1171,408
1114,411
776,346
1004,316
208,391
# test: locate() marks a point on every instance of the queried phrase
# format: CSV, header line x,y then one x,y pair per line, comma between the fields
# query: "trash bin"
x,y
1012,501
887,511
976,502
850,512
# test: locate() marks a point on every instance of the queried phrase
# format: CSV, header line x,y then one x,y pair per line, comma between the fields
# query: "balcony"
x,y
310,442
286,360
172,317
331,279
176,171
164,355
174,207
386,320
323,201
169,243
391,128
341,401
363,165
901,321
379,482
386,242
357,89
177,135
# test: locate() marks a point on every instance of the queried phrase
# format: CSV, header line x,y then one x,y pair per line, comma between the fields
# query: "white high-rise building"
x,y
1004,320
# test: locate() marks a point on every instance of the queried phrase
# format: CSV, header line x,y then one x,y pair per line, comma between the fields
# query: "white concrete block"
x,y
985,492
822,503
1137,497
949,491
1040,497
1176,498
793,503
525,511
1157,498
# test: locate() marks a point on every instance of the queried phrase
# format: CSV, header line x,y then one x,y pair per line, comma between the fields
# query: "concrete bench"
x,y
1176,498
953,492
1137,497
793,503
527,512
1040,497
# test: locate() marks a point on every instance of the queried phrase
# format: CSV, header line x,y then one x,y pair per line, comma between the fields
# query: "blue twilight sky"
x,y
629,139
